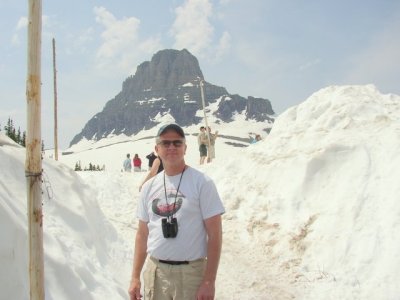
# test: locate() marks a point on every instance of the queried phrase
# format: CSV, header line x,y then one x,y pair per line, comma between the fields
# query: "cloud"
x,y
121,46
223,45
79,43
22,23
192,28
118,34
15,40
309,64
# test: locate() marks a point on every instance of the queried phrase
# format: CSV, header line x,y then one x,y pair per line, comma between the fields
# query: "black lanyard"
x,y
177,190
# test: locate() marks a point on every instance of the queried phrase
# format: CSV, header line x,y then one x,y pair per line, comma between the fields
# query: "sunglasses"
x,y
167,143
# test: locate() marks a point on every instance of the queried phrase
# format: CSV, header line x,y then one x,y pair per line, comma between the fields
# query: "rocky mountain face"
x,y
169,83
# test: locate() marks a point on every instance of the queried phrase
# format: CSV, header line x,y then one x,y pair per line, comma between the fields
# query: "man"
x,y
180,229
202,141
151,157
127,163
211,146
254,138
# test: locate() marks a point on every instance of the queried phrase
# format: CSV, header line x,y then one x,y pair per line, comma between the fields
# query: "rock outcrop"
x,y
169,83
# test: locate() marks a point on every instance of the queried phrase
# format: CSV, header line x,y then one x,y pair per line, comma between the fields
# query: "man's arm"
x,y
152,172
139,258
214,231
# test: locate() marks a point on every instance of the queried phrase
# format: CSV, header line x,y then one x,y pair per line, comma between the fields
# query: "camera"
x,y
169,227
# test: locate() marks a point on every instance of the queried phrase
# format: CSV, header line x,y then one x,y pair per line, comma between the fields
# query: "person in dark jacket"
x,y
151,157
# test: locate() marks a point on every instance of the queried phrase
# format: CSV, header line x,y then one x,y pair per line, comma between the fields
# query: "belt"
x,y
174,262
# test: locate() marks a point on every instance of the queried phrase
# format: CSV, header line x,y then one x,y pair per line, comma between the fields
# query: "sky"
x,y
280,50
319,221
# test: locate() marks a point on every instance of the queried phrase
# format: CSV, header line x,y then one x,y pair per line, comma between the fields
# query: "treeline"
x,y
92,167
14,134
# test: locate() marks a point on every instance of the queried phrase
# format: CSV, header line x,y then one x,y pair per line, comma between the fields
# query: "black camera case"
x,y
169,227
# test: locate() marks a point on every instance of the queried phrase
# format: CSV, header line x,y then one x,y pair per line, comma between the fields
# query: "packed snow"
x,y
312,210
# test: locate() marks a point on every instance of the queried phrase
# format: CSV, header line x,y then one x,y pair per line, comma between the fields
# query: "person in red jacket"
x,y
137,163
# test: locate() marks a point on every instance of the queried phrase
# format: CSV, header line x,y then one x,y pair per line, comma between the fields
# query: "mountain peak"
x,y
168,84
166,69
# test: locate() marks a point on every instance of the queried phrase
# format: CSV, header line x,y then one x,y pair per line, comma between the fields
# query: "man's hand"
x,y
206,291
134,290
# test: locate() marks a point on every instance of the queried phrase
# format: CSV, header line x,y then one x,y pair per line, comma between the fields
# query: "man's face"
x,y
171,147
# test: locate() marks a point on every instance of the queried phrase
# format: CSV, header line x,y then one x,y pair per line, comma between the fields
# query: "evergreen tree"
x,y
8,127
18,136
23,141
78,166
11,130
13,134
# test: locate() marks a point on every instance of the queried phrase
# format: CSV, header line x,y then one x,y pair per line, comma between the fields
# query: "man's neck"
x,y
172,170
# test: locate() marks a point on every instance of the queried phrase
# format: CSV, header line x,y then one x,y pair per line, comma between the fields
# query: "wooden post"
x,y
33,162
55,102
204,109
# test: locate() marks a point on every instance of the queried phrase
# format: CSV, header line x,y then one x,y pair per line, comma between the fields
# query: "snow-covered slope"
x,y
77,236
320,195
312,210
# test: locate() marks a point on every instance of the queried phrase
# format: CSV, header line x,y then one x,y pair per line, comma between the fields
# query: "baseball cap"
x,y
172,126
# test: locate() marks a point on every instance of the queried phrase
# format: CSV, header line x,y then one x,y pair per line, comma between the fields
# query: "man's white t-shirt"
x,y
197,200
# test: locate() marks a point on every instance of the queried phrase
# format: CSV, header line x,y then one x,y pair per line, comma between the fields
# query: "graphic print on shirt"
x,y
167,207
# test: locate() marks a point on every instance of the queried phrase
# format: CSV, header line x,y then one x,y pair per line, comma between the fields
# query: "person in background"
x,y
137,163
156,168
202,141
151,157
211,147
254,138
180,228
127,163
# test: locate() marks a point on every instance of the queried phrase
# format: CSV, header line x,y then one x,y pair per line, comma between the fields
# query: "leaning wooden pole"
x,y
204,109
33,162
55,102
